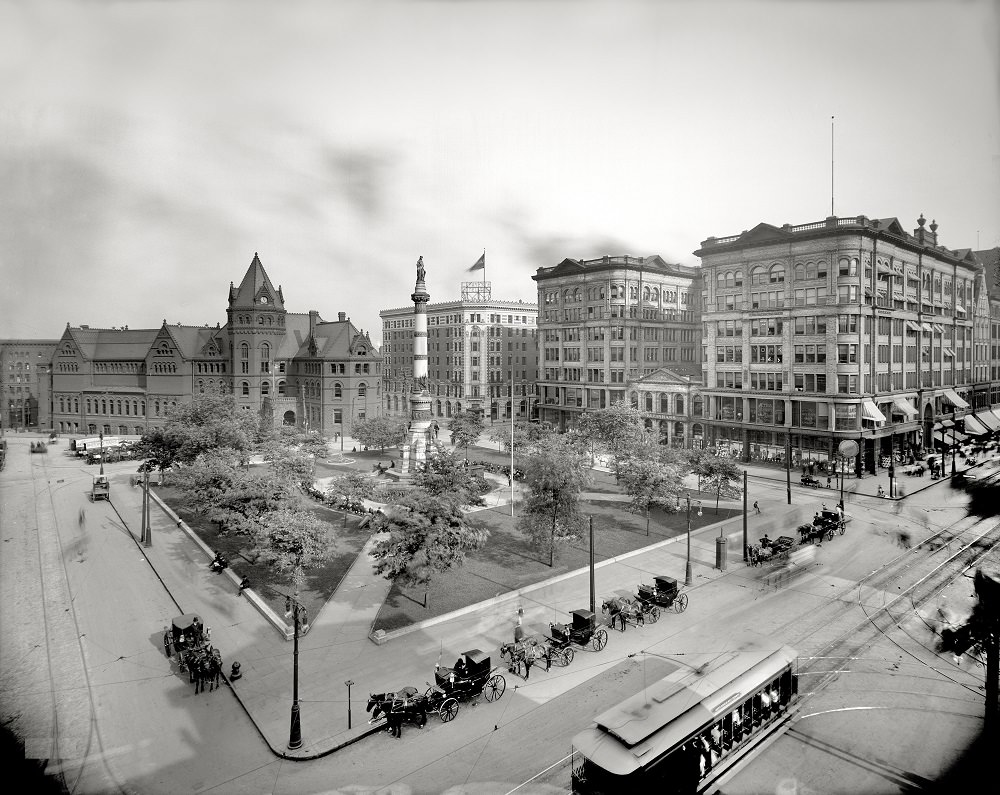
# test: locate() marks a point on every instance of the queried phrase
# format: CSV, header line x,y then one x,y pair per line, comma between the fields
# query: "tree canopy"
x,y
293,540
444,474
650,481
465,427
425,535
556,472
718,474
526,435
617,430
380,432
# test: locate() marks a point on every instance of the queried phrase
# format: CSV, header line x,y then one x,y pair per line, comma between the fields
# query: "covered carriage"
x,y
664,592
581,632
471,677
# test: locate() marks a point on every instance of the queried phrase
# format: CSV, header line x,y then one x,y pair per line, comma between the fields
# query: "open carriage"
x,y
582,632
471,677
664,592
771,551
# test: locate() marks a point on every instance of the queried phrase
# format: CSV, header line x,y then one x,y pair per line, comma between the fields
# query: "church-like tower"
x,y
256,329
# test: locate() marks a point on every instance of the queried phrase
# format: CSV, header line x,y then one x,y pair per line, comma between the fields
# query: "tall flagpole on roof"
x,y
484,267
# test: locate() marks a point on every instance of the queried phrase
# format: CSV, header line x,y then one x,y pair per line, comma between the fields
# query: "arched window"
x,y
362,390
664,404
88,405
739,278
648,402
119,407
265,357
720,280
244,351
777,273
634,400
730,279
758,275
697,406
62,406
201,387
281,387
633,292
680,404
655,294
576,295
337,390
800,271
265,388
645,293
811,270
245,388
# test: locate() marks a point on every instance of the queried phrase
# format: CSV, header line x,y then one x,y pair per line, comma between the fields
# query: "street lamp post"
x,y
746,548
788,464
349,682
687,569
295,729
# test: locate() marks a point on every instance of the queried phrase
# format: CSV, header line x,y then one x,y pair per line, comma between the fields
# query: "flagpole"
x,y
484,267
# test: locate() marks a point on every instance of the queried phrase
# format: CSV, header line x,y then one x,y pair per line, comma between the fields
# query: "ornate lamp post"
x,y
687,569
349,682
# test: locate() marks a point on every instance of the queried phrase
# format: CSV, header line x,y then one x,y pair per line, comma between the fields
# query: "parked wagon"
x,y
771,552
101,490
664,592
810,482
582,632
471,677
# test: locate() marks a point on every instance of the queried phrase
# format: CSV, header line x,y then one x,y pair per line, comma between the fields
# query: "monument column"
x,y
419,435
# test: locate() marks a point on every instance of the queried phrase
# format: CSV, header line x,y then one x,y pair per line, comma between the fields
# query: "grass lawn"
x,y
270,585
508,562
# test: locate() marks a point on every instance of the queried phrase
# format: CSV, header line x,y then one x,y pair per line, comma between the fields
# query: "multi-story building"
x,y
295,369
24,383
482,355
989,259
620,328
843,329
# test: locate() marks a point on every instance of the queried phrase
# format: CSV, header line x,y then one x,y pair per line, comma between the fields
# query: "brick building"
x,y
24,383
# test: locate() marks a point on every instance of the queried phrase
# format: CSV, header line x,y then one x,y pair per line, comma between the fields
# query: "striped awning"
x,y
952,397
927,327
938,328
974,427
912,326
995,413
949,352
960,308
989,419
870,411
944,424
904,406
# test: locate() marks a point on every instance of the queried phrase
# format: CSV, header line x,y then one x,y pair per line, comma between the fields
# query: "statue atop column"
x,y
420,269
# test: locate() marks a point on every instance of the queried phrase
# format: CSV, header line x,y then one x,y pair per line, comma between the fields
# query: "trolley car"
x,y
696,724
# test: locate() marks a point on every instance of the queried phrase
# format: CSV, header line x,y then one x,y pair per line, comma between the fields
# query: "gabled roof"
x,y
193,341
112,344
990,260
892,225
255,284
764,232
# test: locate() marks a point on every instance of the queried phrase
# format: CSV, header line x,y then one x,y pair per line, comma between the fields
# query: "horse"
x,y
211,668
525,652
406,704
623,610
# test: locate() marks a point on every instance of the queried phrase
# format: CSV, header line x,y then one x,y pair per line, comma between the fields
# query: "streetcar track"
x,y
93,732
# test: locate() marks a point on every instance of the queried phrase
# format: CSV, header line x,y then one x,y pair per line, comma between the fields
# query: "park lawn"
x,y
507,562
271,585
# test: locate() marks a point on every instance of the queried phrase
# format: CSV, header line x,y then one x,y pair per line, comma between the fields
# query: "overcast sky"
x,y
148,149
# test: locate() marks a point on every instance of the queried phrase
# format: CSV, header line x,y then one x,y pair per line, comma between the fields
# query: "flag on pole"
x,y
480,263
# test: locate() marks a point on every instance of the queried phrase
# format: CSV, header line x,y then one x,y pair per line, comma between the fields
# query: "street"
x,y
83,614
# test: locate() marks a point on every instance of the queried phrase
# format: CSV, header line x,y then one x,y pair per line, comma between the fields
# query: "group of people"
x,y
196,654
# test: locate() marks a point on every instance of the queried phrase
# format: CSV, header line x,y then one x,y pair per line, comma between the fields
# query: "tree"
x,y
722,476
556,474
465,428
208,421
618,430
350,488
650,482
526,435
424,535
380,432
292,540
444,474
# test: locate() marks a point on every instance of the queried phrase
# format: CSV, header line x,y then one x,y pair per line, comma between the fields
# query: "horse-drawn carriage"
x,y
471,677
624,610
582,632
194,652
826,524
528,649
810,482
771,552
664,592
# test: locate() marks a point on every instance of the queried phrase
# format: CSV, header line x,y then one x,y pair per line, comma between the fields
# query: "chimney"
x,y
313,317
342,316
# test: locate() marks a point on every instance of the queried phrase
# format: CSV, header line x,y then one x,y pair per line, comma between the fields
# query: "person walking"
x,y
756,507
83,518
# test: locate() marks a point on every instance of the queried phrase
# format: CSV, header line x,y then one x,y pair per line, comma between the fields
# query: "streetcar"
x,y
681,733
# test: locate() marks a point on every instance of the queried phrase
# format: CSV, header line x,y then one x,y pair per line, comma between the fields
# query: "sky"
x,y
149,149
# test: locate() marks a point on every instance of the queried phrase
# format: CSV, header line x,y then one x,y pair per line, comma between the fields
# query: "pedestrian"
x,y
244,584
166,643
528,662
829,482
83,518
208,636
756,507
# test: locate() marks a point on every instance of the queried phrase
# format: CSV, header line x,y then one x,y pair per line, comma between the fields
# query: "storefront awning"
x,y
912,326
938,426
949,352
974,427
952,397
904,406
960,308
956,436
995,413
927,327
938,328
989,419
870,411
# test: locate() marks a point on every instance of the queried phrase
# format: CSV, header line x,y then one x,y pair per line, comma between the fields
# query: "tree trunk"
x,y
647,518
552,540
718,495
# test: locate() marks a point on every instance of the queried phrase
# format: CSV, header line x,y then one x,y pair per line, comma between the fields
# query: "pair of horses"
x,y
622,611
405,705
204,668
525,653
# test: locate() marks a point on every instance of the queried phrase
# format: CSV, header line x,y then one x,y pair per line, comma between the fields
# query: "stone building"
x,y
293,368
24,383
845,328
480,350
620,328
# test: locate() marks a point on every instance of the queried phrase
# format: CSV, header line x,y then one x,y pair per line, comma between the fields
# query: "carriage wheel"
x,y
448,710
600,640
495,687
832,532
653,615
843,527
567,655
681,603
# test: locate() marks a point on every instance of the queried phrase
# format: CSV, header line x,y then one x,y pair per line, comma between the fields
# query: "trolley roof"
x,y
724,681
